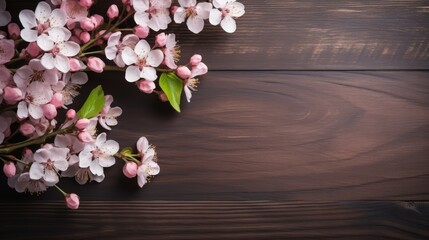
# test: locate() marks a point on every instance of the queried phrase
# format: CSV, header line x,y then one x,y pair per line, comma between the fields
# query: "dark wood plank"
x,y
313,34
217,220
278,135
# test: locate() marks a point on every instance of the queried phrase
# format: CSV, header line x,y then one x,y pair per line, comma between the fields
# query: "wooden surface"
x,y
282,140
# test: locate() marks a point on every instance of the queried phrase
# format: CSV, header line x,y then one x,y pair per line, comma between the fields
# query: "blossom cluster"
x,y
44,60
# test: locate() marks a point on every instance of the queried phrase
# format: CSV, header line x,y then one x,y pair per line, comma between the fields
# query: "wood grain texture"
x,y
312,34
279,135
218,220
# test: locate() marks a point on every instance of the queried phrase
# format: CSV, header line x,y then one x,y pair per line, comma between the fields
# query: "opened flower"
x,y
48,161
225,13
152,13
196,14
144,60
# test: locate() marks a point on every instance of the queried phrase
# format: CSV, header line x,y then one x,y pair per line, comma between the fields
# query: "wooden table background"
x,y
313,123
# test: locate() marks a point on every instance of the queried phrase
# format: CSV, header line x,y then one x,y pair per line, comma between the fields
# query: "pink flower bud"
x,y
141,32
57,99
95,64
86,3
71,113
75,39
74,64
9,169
72,201
160,40
85,37
33,49
27,129
130,169
12,95
97,20
173,9
113,11
13,30
87,24
50,111
82,123
146,86
163,97
27,153
85,137
195,59
71,25
77,32
183,72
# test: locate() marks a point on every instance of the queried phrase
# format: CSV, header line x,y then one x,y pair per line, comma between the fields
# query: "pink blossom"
x,y
113,11
87,24
74,65
115,46
196,14
225,13
71,113
85,37
33,50
9,169
74,11
146,86
140,31
35,72
27,129
49,111
148,167
58,49
48,161
98,155
82,123
38,94
183,72
171,51
57,100
95,64
108,115
7,50
86,3
72,201
152,13
191,83
39,22
130,169
195,59
160,40
13,30
81,175
12,95
143,61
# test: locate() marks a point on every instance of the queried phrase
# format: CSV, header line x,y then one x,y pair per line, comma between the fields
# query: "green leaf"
x,y
172,86
93,104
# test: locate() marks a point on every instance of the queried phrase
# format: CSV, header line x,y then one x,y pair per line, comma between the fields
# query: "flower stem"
x,y
13,158
59,189
93,52
34,141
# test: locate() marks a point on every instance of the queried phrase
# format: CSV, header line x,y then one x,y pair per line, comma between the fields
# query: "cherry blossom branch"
x,y
89,44
34,141
90,53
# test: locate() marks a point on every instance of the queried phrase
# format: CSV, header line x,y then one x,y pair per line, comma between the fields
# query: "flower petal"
x,y
61,165
148,73
153,168
22,111
141,5
85,158
5,18
62,63
195,24
110,52
215,17
101,139
141,18
45,42
35,111
129,56
142,49
228,24
29,35
27,18
203,10
69,48
220,3
42,12
236,9
58,18
132,74
180,15
51,176
96,169
106,161
36,171
154,58
48,61
110,147
188,93
142,144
